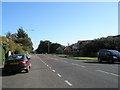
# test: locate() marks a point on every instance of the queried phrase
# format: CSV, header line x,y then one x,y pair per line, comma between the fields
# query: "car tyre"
x,y
27,70
99,60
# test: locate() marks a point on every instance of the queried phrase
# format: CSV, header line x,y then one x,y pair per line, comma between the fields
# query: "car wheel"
x,y
99,60
27,70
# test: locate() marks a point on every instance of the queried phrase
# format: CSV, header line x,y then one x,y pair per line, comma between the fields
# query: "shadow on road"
x,y
3,73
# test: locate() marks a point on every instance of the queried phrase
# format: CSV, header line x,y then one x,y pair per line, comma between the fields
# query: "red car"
x,y
17,62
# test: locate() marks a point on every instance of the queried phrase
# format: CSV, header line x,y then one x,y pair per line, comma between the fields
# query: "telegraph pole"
x,y
48,47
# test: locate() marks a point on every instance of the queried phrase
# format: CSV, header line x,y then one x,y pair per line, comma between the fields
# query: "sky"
x,y
61,22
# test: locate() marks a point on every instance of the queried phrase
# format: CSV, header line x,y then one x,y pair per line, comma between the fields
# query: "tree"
x,y
92,47
24,40
8,35
9,45
12,46
19,49
49,47
44,47
26,43
53,47
17,43
11,36
5,43
21,33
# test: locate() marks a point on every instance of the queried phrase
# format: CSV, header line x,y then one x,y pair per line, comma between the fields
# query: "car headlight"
x,y
115,57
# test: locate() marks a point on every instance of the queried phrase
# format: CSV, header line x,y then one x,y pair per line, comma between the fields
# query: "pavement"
x,y
50,71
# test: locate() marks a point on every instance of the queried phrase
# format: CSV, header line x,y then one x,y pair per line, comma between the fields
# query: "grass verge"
x,y
71,57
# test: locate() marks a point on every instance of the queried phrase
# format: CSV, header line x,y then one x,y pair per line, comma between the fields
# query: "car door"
x,y
107,55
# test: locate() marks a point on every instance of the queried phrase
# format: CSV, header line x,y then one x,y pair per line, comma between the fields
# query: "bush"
x,y
19,50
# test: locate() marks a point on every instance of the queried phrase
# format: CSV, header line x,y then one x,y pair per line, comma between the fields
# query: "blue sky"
x,y
61,22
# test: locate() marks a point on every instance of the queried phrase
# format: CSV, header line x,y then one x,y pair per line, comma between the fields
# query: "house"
x,y
67,50
60,50
75,47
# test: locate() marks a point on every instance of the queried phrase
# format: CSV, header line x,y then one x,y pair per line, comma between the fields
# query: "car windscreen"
x,y
15,57
114,52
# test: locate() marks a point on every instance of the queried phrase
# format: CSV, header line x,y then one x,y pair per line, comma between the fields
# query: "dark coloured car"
x,y
17,63
108,55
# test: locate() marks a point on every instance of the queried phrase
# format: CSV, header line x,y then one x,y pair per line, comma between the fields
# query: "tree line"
x,y
17,43
84,48
91,47
49,47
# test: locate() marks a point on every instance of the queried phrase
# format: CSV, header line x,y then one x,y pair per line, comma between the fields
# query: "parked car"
x,y
108,55
17,62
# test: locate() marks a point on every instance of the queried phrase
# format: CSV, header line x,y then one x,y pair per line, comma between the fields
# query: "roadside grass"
x,y
72,57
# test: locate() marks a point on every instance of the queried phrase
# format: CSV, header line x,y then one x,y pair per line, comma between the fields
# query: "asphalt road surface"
x,y
50,71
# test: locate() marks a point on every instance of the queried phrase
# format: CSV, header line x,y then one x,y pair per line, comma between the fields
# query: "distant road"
x,y
50,71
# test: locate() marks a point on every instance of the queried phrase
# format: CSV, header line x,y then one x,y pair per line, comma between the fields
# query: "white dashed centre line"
x,y
47,65
59,75
68,83
53,70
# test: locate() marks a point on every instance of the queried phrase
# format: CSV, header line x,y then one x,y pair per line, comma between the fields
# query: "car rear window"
x,y
15,57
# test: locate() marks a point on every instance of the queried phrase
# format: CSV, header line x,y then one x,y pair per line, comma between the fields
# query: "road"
x,y
50,71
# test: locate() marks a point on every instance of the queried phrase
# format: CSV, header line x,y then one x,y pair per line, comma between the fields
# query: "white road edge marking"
x,y
59,75
107,72
68,83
